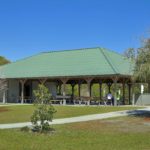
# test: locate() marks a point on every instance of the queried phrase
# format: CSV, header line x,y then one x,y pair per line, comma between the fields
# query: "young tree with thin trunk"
x,y
44,111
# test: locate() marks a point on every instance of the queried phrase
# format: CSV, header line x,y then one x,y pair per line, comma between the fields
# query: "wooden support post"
x,y
123,91
115,79
149,87
133,94
73,85
64,81
59,89
109,87
64,92
88,80
4,96
100,90
129,89
89,91
22,90
79,89
91,84
3,88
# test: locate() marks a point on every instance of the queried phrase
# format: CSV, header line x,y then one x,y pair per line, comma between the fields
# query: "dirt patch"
x,y
2,109
147,119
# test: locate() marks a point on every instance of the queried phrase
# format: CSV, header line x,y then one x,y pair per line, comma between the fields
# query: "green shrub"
x,y
44,111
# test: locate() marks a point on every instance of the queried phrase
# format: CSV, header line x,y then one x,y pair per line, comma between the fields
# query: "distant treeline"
x,y
3,60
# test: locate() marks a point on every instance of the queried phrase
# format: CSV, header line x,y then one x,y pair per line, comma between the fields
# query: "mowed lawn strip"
x,y
126,133
14,114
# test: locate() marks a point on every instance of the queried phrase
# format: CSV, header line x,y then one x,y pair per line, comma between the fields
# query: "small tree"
x,y
142,66
141,58
44,111
130,53
3,61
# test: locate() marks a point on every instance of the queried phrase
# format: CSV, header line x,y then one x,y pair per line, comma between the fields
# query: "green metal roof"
x,y
80,62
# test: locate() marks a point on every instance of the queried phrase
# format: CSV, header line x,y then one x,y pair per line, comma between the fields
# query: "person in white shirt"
x,y
110,98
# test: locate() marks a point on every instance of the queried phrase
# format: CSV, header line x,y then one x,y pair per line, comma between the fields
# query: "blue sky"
x,y
28,27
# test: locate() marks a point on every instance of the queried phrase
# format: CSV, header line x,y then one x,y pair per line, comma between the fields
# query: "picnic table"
x,y
82,99
61,99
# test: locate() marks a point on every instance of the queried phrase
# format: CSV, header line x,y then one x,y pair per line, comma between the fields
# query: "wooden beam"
x,y
43,81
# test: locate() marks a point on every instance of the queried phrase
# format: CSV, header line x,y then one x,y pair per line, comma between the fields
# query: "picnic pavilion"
x,y
55,69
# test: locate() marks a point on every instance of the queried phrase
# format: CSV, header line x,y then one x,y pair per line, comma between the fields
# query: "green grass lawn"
x,y
13,114
126,133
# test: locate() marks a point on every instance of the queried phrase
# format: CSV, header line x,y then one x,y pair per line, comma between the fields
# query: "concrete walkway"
x,y
81,118
13,104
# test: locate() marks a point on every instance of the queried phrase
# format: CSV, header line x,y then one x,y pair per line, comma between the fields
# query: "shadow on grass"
x,y
139,113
